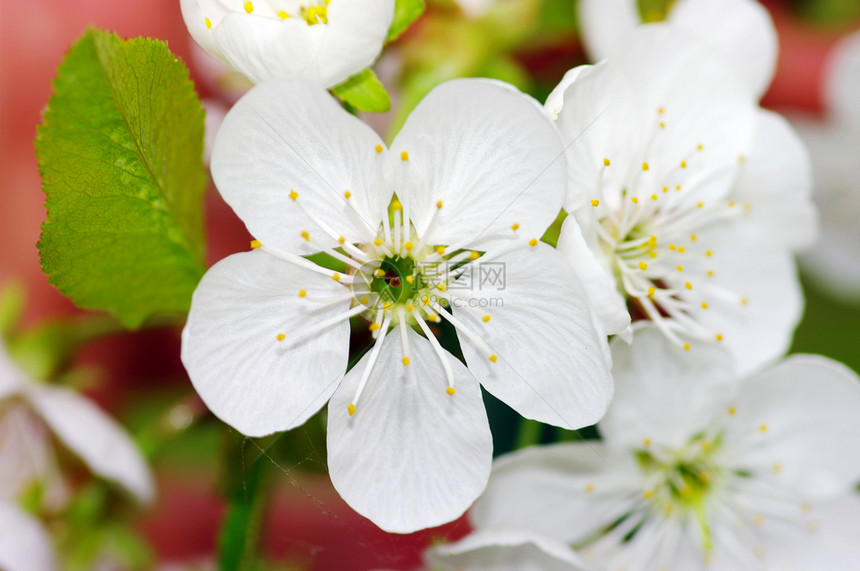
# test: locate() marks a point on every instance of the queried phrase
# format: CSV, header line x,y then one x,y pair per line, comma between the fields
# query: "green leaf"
x,y
364,92
120,152
405,13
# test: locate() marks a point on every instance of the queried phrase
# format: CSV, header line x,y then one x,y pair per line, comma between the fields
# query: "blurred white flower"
x,y
475,8
478,180
24,544
697,470
324,41
740,30
689,195
834,145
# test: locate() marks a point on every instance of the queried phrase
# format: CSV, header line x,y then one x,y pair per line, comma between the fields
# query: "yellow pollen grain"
x,y
595,203
653,254
302,293
486,318
688,285
378,149
387,305
341,240
732,411
377,241
777,468
747,207
256,245
681,249
208,22
283,15
336,277
410,279
645,166
700,147
686,346
364,301
410,308
708,253
673,247
374,326
683,164
606,162
744,301
441,287
643,266
408,246
665,189
589,488
405,361
293,194
653,197
647,442
679,268
678,188
762,428
710,273
493,358
701,205
404,156
718,336
249,7
635,200
515,227
281,337
439,204
706,445
652,241
474,256
732,204
305,235
693,237
396,205
425,300
351,409
440,250
378,272
661,110
450,390
662,125
533,242
651,291
648,494
347,194
704,305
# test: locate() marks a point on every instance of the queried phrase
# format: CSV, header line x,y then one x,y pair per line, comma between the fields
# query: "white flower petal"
x,y
663,393
278,139
776,181
842,83
489,154
606,25
248,378
356,32
741,30
753,296
504,550
95,437
552,356
595,275
412,456
563,491
11,378
797,425
24,545
555,100
195,13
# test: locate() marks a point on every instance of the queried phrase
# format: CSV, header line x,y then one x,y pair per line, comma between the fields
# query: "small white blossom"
x,y
697,470
478,178
24,544
690,196
324,41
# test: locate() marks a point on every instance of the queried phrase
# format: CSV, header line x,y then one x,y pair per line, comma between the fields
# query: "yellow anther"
x,y
317,15
249,7
653,197
680,268
732,204
673,247
474,256
595,203
351,409
281,337
635,200
706,445
704,305
701,204
208,22
379,149
744,301
302,293
293,194
732,411
404,156
648,494
425,300
647,442
374,326
700,147
439,204
408,246
683,164
494,358
747,207
533,242
662,125
387,305
686,346
256,245
741,158
688,285
335,276
718,336
805,508
515,227
643,266
396,205
305,235
652,290
661,110
347,194
341,240
410,279
762,428
652,254
364,301
405,361
652,241
665,189
440,250
681,249
410,307
710,273
693,237
283,15
758,520
441,287
606,162
589,488
777,468
377,242
645,166
450,390
486,318
379,273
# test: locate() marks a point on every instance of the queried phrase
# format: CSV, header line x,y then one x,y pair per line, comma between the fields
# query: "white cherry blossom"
x,y
324,41
690,197
478,178
698,470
